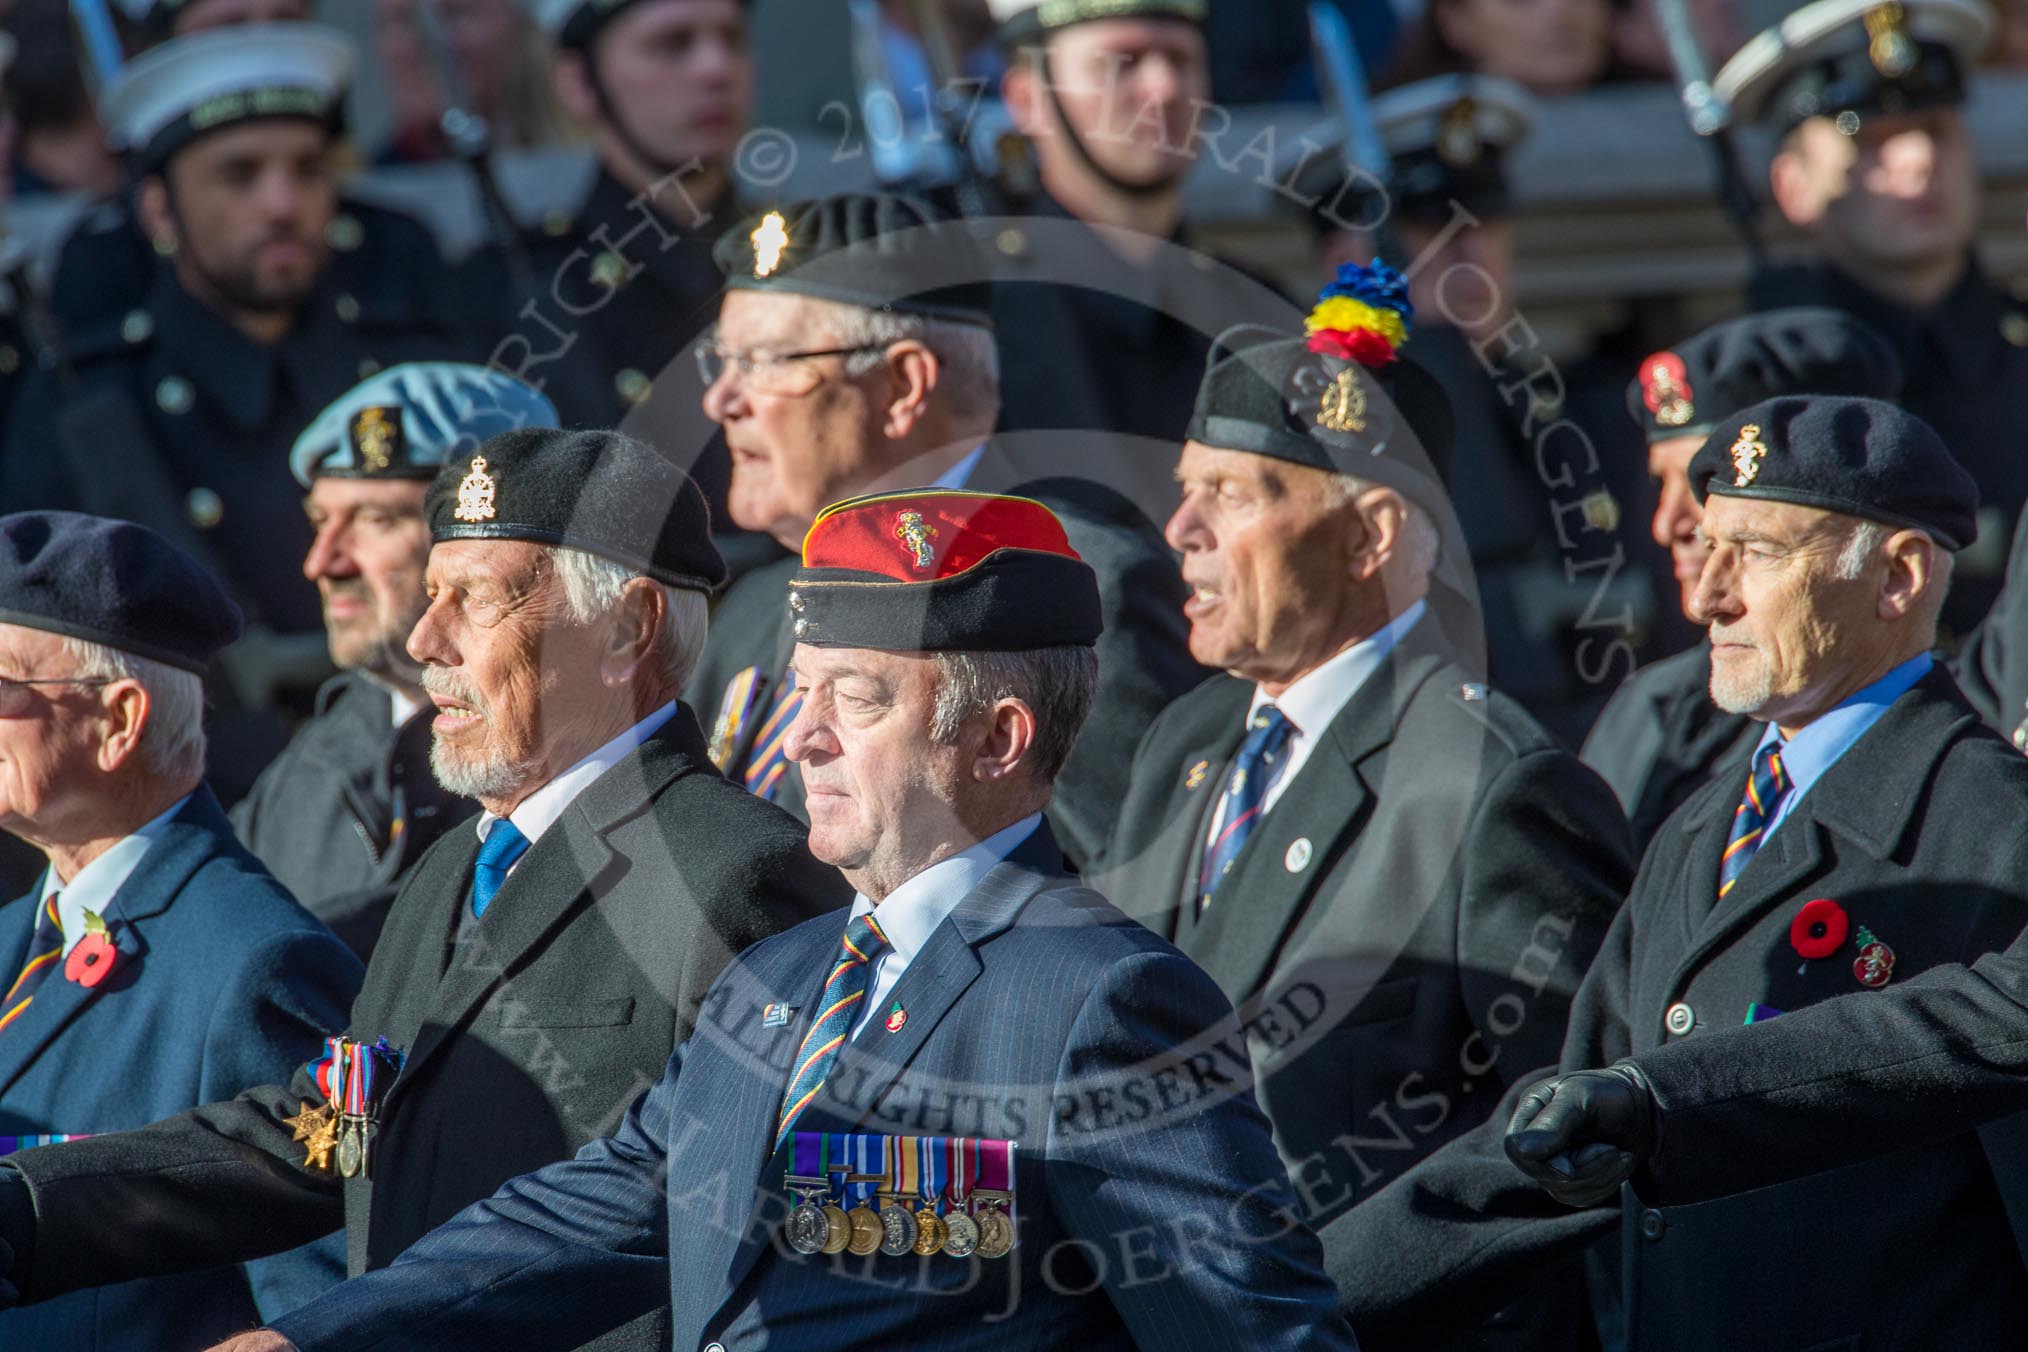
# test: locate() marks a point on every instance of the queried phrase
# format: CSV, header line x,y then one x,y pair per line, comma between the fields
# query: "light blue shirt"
x,y
96,883
912,912
954,478
1816,748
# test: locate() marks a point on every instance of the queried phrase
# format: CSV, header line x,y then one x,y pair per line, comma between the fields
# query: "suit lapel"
x,y
1261,902
570,861
1167,900
190,839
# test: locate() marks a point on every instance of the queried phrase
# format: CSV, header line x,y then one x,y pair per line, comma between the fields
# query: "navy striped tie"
x,y
844,996
1764,790
1267,738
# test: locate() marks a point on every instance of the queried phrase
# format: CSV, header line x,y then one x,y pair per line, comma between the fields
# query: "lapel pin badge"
x,y
777,1016
1298,857
896,1018
91,958
1197,774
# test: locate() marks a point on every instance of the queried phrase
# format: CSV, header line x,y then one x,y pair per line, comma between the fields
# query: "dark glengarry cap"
x,y
1272,395
406,421
1692,387
1860,57
112,582
574,23
190,87
930,570
1022,21
873,250
601,492
1843,454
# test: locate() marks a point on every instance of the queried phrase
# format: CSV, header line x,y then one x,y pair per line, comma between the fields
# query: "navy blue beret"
x,y
1842,454
873,250
602,492
1690,388
112,582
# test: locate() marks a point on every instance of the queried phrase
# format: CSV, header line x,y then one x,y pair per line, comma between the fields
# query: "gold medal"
x,y
929,1231
996,1228
867,1231
317,1129
837,1229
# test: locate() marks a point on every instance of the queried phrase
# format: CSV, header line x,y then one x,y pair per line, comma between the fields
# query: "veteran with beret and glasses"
x,y
157,965
1872,832
542,960
975,1048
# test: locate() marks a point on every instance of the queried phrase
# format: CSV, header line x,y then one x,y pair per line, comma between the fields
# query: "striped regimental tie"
x,y
1764,790
844,994
769,761
1267,740
45,951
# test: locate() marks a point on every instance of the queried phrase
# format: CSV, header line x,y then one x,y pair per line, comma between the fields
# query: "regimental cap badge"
x,y
1665,389
1890,48
1457,139
1747,453
916,536
770,238
475,493
1342,406
376,437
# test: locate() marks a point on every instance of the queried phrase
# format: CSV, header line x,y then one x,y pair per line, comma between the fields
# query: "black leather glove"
x,y
1582,1135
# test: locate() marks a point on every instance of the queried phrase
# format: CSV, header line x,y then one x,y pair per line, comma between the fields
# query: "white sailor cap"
x,y
406,421
172,94
1026,20
1857,56
573,23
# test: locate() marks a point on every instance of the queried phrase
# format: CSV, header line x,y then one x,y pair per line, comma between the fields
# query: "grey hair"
x,y
970,359
1057,684
1420,542
172,740
1865,541
592,586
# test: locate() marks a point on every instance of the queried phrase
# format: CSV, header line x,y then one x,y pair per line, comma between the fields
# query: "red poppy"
x,y
90,960
1819,928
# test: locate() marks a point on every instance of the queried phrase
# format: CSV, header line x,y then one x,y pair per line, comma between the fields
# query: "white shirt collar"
x,y
539,810
96,884
404,707
1316,697
912,912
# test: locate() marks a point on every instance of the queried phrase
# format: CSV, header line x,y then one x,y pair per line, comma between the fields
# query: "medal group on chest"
x,y
901,1195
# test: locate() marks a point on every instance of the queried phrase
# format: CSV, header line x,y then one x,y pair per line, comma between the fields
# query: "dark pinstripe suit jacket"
x,y
1151,1208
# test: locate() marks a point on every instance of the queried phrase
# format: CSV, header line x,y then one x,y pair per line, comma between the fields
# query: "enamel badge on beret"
x,y
475,493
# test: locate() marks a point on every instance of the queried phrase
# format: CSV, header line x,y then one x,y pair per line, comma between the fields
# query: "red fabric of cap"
x,y
927,535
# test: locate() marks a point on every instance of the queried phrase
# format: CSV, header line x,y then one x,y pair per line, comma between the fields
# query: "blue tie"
x,y
503,845
843,998
1764,790
1267,738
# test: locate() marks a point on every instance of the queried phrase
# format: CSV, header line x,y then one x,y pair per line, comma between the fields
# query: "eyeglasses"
x,y
770,372
14,700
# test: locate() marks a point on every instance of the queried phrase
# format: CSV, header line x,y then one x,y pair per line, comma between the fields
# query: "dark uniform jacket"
x,y
1992,666
620,290
1143,654
379,256
1916,832
1660,738
347,809
1965,362
1034,992
220,983
523,1042
1405,929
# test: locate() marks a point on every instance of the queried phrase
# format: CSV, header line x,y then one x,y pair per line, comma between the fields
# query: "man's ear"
x,y
571,77
127,708
1912,573
913,371
1383,515
1792,185
637,625
158,222
1022,93
1009,745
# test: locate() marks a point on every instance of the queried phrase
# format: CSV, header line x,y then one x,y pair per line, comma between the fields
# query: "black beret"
x,y
872,250
1272,395
930,570
601,492
1692,387
1860,457
112,582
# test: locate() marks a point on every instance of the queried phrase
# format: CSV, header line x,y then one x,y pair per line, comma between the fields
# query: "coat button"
x,y
1652,1224
714,1347
1680,1019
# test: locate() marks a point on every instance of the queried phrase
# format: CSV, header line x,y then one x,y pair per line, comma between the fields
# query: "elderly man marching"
x,y
158,965
1873,832
976,1050
542,961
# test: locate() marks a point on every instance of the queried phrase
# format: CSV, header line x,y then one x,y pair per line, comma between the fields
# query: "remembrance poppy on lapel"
x,y
91,958
1819,928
